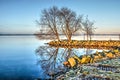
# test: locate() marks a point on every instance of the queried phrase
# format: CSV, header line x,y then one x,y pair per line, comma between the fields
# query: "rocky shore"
x,y
104,70
86,44
105,65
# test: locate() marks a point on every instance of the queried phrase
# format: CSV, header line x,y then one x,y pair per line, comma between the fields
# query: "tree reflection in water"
x,y
51,58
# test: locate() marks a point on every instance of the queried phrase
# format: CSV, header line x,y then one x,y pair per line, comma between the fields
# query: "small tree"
x,y
88,28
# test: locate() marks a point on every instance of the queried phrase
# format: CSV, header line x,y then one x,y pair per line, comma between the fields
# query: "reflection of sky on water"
x,y
18,59
51,58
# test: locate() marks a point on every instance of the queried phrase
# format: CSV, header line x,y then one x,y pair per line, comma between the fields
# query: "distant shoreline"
x,y
60,34
16,34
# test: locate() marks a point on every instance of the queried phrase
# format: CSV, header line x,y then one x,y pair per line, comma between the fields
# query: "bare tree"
x,y
64,21
49,19
88,28
70,23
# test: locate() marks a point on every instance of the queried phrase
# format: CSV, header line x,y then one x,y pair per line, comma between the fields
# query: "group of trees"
x,y
64,21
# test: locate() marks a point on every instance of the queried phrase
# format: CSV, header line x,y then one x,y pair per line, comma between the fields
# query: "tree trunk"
x,y
87,37
90,37
57,35
69,38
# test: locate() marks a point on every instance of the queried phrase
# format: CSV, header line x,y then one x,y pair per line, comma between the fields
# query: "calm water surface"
x,y
25,57
18,59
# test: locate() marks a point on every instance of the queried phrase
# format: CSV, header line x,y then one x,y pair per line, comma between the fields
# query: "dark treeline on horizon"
x,y
16,34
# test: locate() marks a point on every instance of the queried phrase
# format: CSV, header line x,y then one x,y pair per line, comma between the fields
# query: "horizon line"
x,y
49,34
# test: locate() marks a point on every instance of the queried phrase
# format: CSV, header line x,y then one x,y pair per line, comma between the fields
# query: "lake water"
x,y
97,37
27,58
18,59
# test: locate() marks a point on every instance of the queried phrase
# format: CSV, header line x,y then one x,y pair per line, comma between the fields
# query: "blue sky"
x,y
18,16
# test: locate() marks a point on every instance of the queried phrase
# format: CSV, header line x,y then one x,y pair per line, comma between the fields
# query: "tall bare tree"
x,y
70,23
88,27
50,20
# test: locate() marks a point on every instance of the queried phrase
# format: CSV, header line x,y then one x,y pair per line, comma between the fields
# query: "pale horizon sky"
x,y
18,16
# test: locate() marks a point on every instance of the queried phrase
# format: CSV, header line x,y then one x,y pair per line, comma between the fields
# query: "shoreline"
x,y
108,69
85,44
105,68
